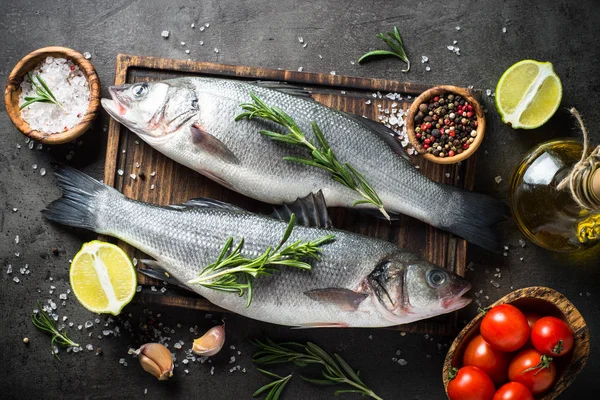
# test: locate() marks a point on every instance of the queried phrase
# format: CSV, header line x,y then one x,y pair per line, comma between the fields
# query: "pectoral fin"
x,y
346,299
212,145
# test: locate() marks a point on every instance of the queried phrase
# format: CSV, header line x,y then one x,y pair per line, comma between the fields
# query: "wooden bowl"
x,y
435,91
543,301
13,90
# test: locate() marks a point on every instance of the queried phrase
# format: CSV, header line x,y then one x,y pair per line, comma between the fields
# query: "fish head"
x,y
412,286
153,110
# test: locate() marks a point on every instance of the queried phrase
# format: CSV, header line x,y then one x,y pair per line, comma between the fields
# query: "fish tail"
x,y
472,216
78,206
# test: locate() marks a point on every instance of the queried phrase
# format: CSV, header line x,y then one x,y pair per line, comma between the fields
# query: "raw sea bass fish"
x,y
191,120
359,281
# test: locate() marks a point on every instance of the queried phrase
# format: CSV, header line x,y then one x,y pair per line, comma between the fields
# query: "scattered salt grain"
x,y
498,179
9,269
151,187
88,324
457,28
402,361
504,29
300,69
165,34
522,243
87,55
216,50
192,25
201,29
424,59
332,72
62,296
132,176
488,92
300,39
15,209
138,289
428,68
17,239
187,52
89,347
17,280
120,172
494,283
42,171
183,43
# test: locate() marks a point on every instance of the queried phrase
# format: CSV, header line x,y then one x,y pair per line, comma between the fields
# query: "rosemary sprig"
x,y
232,272
322,156
275,388
43,92
335,371
43,321
396,44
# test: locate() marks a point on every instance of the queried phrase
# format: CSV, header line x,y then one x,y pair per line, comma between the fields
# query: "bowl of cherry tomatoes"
x,y
529,345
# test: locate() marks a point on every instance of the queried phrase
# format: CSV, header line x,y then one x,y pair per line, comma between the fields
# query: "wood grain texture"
x,y
13,91
543,301
174,183
436,91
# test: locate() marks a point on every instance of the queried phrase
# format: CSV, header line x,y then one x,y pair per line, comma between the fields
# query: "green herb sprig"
x,y
335,371
322,156
232,272
396,44
43,321
43,92
275,388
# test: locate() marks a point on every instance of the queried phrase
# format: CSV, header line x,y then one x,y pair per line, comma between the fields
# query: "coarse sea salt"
x,y
70,87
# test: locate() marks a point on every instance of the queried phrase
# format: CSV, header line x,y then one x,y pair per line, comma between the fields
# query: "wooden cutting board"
x,y
127,154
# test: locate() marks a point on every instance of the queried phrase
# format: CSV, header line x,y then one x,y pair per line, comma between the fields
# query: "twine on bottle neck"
x,y
576,180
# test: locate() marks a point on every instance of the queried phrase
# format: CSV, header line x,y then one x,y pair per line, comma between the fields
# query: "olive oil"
x,y
549,217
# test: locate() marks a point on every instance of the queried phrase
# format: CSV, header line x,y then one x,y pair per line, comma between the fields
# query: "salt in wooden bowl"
x,y
13,91
545,302
423,98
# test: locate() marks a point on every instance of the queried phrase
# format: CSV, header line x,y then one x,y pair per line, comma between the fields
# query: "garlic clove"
x,y
211,342
156,359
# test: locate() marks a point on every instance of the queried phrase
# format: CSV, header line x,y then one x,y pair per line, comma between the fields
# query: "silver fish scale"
x,y
263,174
185,240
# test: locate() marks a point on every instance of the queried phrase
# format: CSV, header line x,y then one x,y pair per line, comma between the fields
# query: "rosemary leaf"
x,y
335,371
232,272
322,155
275,388
44,94
44,322
395,43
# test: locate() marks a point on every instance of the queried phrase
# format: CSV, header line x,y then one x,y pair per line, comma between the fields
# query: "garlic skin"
x,y
211,342
156,359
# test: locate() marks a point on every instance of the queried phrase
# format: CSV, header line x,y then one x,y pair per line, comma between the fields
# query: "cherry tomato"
x,y
532,369
513,391
505,328
491,361
470,383
532,318
552,336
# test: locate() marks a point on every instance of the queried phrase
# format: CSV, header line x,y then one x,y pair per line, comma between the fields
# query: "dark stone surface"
x,y
264,33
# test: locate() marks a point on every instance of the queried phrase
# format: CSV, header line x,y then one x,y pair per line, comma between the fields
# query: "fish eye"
x,y
436,278
139,90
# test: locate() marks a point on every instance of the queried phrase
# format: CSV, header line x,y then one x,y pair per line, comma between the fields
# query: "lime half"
x,y
528,94
102,277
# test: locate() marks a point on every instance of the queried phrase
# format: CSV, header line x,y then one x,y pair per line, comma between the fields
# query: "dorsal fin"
x,y
310,211
202,202
286,88
385,133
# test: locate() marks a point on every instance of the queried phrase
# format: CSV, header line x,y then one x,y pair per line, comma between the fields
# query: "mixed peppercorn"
x,y
446,125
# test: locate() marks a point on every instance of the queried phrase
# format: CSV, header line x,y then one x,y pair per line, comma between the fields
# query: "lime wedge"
x,y
528,94
102,277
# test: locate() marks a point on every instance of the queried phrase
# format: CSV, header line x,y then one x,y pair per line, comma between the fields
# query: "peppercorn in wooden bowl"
x,y
544,302
454,134
13,91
